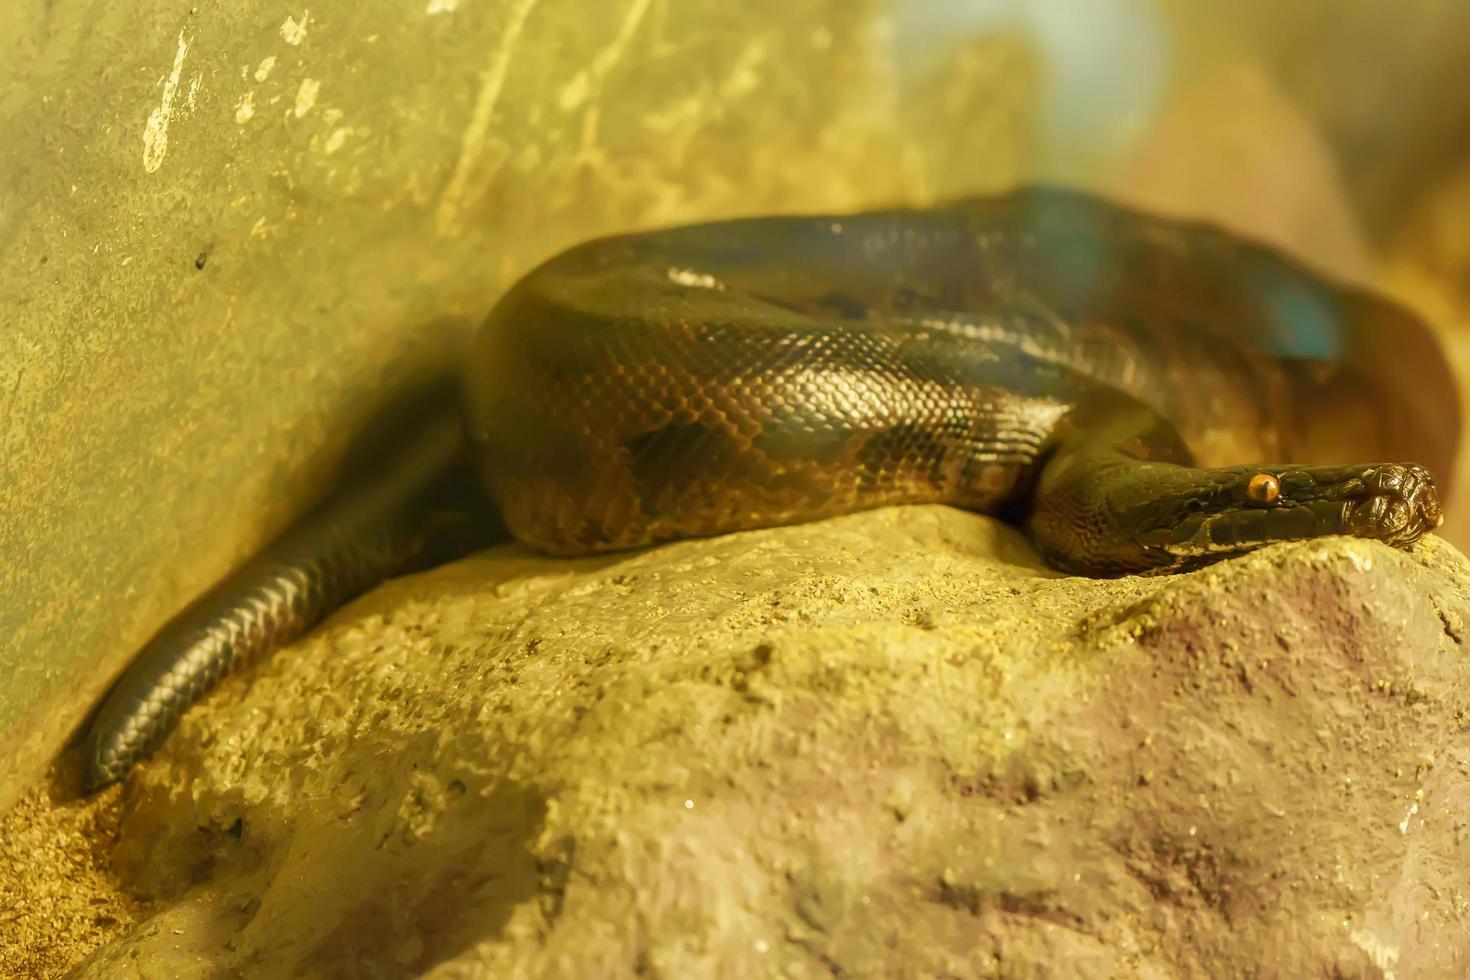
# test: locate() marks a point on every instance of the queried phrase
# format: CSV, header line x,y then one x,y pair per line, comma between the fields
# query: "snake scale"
x,y
1139,393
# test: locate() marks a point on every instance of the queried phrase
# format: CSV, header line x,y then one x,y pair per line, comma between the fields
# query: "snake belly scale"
x,y
1139,393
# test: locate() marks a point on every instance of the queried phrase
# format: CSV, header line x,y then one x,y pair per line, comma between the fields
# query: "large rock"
x,y
230,228
887,744
1428,267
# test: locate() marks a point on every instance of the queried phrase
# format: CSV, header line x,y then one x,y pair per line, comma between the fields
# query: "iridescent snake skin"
x,y
1095,374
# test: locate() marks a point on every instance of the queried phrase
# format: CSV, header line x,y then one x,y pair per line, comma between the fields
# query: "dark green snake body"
x,y
1139,393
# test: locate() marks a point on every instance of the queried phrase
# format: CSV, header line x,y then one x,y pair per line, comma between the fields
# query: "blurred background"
x,y
231,234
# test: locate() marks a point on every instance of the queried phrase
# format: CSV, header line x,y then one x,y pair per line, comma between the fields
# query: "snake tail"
x,y
395,521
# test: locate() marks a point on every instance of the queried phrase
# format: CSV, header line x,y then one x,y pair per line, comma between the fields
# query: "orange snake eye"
x,y
1264,488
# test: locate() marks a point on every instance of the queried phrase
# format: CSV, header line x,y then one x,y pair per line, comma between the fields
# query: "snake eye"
x,y
1263,488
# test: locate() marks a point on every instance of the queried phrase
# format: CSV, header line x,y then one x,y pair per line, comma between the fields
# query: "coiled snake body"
x,y
1094,373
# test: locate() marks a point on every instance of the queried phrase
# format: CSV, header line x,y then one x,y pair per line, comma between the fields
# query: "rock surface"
x,y
891,743
229,229
1428,267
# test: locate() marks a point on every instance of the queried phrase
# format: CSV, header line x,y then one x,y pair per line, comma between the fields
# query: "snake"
x,y
1139,393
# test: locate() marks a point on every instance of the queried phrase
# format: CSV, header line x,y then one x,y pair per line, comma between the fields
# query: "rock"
x,y
1427,266
245,225
1233,149
58,901
886,744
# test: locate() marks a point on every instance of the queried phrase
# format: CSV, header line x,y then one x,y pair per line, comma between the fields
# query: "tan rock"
x,y
1427,266
1233,149
230,229
891,744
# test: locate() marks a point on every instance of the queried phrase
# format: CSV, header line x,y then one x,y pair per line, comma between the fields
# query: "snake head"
x,y
1102,514
1241,508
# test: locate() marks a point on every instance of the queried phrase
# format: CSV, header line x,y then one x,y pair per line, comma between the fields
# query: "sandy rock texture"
x,y
230,229
891,743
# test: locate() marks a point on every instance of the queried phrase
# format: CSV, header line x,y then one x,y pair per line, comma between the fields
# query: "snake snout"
x,y
1396,503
